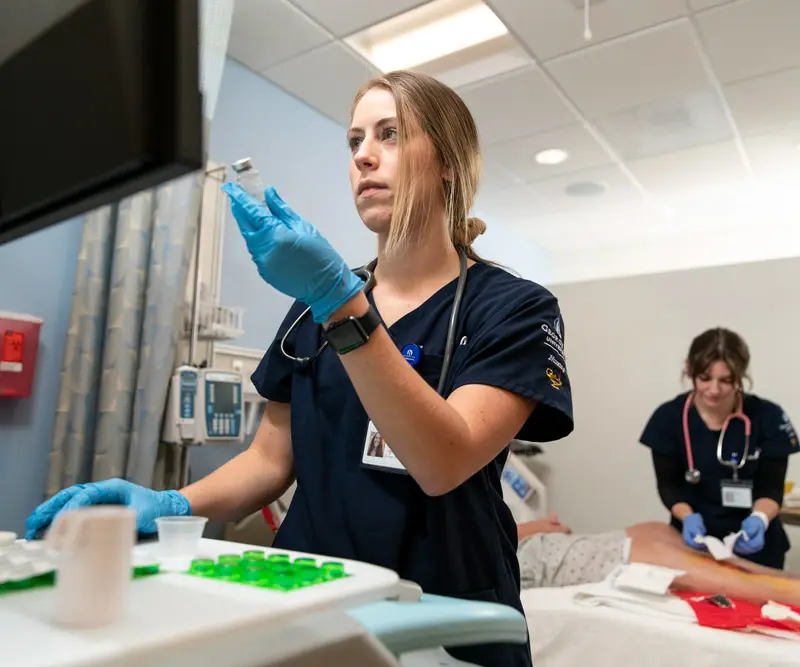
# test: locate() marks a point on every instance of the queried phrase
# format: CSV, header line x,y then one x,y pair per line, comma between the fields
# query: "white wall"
x,y
772,239
626,340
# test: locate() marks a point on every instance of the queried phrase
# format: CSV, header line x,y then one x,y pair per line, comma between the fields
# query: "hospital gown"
x,y
553,560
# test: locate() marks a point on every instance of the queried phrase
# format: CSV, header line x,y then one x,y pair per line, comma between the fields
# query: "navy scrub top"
x,y
461,544
772,436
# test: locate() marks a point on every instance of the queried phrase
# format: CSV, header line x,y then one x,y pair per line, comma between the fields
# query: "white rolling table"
x,y
178,620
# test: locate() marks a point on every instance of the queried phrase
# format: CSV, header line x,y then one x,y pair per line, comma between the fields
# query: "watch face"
x,y
346,336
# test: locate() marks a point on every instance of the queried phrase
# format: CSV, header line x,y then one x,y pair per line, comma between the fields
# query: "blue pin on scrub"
x,y
412,354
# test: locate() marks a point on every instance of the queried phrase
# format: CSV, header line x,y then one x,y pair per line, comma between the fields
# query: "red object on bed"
x,y
741,616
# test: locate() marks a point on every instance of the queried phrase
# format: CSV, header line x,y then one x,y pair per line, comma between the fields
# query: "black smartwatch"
x,y
352,332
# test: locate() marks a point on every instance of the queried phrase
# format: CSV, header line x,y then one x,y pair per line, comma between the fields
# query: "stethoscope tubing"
x,y
367,274
692,473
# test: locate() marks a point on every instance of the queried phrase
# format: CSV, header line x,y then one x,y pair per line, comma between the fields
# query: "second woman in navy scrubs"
x,y
711,502
442,523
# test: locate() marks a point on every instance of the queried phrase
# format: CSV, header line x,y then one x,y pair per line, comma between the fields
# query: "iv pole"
x,y
183,448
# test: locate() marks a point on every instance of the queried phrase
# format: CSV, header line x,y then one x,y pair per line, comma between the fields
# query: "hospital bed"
x,y
178,620
565,634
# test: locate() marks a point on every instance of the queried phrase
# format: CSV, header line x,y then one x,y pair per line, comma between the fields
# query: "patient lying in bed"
x,y
551,556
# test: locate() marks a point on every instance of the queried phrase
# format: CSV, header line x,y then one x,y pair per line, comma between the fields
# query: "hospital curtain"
x,y
123,333
127,311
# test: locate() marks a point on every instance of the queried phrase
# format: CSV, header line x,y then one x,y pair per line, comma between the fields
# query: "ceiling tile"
x,y
515,105
344,17
764,102
750,38
692,174
667,126
505,198
775,155
518,156
478,63
654,65
326,78
700,5
266,32
553,27
619,191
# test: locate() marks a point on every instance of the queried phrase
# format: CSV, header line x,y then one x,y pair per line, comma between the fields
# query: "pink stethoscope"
x,y
693,474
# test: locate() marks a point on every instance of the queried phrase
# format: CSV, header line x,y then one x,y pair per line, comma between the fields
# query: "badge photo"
x,y
377,453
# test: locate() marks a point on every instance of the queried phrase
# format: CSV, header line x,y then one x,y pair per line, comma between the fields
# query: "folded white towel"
x,y
656,606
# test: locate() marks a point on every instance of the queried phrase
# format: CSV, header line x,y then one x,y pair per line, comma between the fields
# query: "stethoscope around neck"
x,y
692,474
367,274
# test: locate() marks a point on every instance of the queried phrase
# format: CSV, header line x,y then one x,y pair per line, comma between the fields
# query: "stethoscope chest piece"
x,y
692,475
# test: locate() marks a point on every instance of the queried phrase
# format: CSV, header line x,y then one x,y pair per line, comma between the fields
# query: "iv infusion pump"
x,y
204,407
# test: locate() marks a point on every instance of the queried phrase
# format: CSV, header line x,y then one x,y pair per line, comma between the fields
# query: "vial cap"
x,y
202,566
245,164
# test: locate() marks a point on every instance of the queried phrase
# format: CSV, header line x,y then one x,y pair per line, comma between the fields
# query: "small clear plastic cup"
x,y
7,538
179,536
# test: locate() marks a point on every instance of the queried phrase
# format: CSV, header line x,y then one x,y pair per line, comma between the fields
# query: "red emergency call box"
x,y
19,343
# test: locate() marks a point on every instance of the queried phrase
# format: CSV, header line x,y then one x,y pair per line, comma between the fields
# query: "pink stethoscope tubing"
x,y
693,474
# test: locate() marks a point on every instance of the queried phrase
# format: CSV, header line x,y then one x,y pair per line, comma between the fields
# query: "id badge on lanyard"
x,y
377,453
737,493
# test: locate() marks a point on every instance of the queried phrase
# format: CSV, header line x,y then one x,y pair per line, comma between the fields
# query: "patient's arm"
x,y
549,525
660,544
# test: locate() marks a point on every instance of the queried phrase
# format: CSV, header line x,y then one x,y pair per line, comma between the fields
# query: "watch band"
x,y
352,332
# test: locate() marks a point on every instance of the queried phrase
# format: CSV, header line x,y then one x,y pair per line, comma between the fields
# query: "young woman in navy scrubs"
x,y
431,508
713,490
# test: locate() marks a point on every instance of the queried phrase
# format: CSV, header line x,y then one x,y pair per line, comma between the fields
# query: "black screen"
x,y
103,103
223,397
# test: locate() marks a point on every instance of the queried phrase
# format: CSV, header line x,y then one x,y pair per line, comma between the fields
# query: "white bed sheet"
x,y
565,634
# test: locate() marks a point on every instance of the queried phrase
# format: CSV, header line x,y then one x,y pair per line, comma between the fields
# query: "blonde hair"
x,y
425,104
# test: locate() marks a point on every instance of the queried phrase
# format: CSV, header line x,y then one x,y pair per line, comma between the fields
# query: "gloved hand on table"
x,y
291,254
752,541
693,527
149,504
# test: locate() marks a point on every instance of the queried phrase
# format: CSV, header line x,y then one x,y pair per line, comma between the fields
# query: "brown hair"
x,y
423,103
718,344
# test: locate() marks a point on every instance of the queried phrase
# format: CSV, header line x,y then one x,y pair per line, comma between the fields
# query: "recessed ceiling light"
x,y
586,189
551,156
427,33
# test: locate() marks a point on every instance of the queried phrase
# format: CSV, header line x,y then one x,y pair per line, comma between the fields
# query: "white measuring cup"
x,y
94,547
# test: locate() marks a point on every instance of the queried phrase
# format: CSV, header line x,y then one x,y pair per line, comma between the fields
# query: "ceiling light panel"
x,y
433,31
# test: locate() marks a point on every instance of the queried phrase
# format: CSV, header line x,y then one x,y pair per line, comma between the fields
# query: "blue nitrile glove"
x,y
149,504
752,541
291,254
693,527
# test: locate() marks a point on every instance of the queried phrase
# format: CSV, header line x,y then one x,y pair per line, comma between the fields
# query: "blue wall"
x,y
305,156
37,274
512,250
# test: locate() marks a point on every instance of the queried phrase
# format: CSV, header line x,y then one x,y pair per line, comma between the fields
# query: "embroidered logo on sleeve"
x,y
788,429
555,379
553,340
